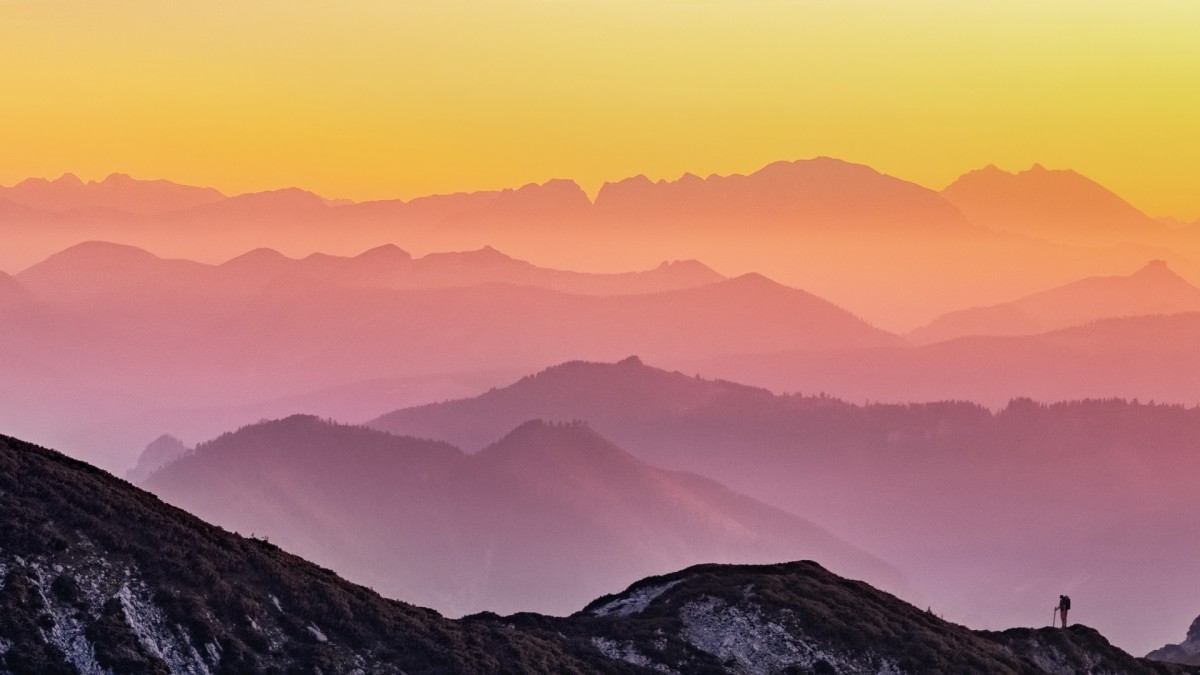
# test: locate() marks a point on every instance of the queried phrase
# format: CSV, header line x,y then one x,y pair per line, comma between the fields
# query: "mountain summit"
x,y
1056,204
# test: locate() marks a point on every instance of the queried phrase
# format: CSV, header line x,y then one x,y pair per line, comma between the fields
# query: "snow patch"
x,y
321,637
634,603
275,601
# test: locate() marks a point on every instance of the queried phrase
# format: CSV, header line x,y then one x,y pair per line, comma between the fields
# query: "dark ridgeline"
x,y
96,574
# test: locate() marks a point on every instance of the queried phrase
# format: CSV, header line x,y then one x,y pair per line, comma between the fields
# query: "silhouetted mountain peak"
x,y
256,258
91,252
486,256
292,199
755,280
1049,203
384,253
1157,269
160,452
540,437
692,267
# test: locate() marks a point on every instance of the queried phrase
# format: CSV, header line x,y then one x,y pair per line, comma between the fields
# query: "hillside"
x,y
933,488
544,519
97,576
1153,289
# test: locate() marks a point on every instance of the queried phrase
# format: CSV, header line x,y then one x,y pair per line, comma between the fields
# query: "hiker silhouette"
x,y
1064,605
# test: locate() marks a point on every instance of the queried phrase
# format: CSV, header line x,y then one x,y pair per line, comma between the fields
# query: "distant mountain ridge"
x,y
97,576
99,268
117,192
544,518
1153,289
799,222
1057,204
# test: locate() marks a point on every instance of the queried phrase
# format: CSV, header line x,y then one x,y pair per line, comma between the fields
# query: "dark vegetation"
x,y
62,515
213,583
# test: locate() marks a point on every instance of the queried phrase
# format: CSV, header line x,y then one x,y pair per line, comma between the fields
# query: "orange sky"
x,y
376,99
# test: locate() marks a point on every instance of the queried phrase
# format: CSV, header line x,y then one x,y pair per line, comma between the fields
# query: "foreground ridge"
x,y
97,576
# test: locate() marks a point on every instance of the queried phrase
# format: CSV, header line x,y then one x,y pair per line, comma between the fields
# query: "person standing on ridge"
x,y
1064,605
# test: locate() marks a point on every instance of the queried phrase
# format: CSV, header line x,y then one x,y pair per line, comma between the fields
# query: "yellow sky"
x,y
406,97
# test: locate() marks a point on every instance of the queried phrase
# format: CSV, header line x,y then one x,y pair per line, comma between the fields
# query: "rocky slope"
x,y
99,577
1187,651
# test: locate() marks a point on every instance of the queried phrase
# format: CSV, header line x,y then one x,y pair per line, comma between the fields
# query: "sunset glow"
x,y
373,99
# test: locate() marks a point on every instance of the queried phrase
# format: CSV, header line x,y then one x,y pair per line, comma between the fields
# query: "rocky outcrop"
x,y
1187,652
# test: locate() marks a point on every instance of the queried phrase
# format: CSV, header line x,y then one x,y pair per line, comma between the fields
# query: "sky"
x,y
376,99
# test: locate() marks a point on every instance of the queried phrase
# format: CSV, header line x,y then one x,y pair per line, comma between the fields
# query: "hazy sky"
x,y
372,99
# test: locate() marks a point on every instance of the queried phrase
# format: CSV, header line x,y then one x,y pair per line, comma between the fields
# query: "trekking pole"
x,y
1054,618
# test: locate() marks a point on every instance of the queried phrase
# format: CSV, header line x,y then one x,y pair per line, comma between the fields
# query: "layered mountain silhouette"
x,y
1056,204
1153,289
1143,357
887,249
123,333
99,576
117,192
820,195
986,512
543,519
93,269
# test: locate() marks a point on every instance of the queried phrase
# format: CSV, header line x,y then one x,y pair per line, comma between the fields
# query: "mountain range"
x,y
1153,289
984,512
545,518
101,269
116,333
887,249
129,345
97,576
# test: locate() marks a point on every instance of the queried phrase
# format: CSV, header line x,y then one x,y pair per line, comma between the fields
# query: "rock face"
x,y
99,577
1187,651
